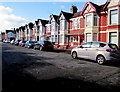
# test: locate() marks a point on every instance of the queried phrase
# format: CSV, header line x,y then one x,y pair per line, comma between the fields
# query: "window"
x,y
56,27
94,36
48,27
62,25
86,45
88,20
113,37
95,20
66,25
41,29
56,38
95,45
52,38
66,39
88,37
61,38
75,39
71,39
53,26
76,23
113,16
113,46
102,45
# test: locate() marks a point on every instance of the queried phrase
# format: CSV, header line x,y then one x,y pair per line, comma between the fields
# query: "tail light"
x,y
110,50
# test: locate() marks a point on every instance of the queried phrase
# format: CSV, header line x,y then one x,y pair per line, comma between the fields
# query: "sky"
x,y
16,13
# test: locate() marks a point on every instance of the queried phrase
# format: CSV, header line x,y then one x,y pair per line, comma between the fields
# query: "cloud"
x,y
9,20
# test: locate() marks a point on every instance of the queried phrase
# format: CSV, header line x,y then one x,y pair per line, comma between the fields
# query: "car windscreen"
x,y
113,46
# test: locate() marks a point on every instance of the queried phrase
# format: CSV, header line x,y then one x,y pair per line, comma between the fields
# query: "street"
x,y
26,69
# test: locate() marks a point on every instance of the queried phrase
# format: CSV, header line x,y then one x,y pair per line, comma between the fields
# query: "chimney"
x,y
73,9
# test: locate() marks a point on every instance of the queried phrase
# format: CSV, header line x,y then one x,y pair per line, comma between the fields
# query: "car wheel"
x,y
41,48
34,48
74,55
100,59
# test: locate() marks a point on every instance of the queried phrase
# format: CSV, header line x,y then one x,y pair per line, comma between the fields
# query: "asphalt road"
x,y
27,70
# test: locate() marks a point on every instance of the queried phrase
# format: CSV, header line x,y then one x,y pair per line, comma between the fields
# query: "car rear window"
x,y
113,46
48,43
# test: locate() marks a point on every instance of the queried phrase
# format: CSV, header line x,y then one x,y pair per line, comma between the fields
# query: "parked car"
x,y
44,45
12,42
22,43
7,41
4,40
17,42
98,51
29,44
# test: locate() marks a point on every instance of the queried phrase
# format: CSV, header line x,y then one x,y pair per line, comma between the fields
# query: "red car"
x,y
22,43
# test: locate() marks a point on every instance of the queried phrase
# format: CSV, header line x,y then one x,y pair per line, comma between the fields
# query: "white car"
x,y
98,51
12,42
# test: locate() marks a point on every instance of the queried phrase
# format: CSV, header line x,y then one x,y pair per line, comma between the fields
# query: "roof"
x,y
36,22
56,18
30,25
66,15
97,8
44,22
101,7
76,14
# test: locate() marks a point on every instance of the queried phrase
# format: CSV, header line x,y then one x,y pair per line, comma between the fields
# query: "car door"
x,y
83,50
92,51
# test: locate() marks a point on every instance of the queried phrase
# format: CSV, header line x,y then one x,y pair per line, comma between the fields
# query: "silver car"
x,y
98,51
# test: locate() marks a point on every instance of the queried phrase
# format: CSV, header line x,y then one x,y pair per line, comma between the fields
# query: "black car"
x,y
17,42
44,45
29,44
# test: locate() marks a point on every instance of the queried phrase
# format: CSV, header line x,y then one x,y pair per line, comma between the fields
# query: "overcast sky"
x,y
15,13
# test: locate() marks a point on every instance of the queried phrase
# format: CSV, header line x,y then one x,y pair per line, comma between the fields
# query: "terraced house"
x,y
70,29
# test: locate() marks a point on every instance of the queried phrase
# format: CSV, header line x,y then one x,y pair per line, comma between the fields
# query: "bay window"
x,y
76,23
95,20
62,25
89,20
114,16
61,38
48,27
56,39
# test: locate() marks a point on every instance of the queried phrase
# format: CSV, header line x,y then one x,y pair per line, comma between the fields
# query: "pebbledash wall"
x,y
67,30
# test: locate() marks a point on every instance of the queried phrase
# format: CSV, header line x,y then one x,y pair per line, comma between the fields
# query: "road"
x,y
26,69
